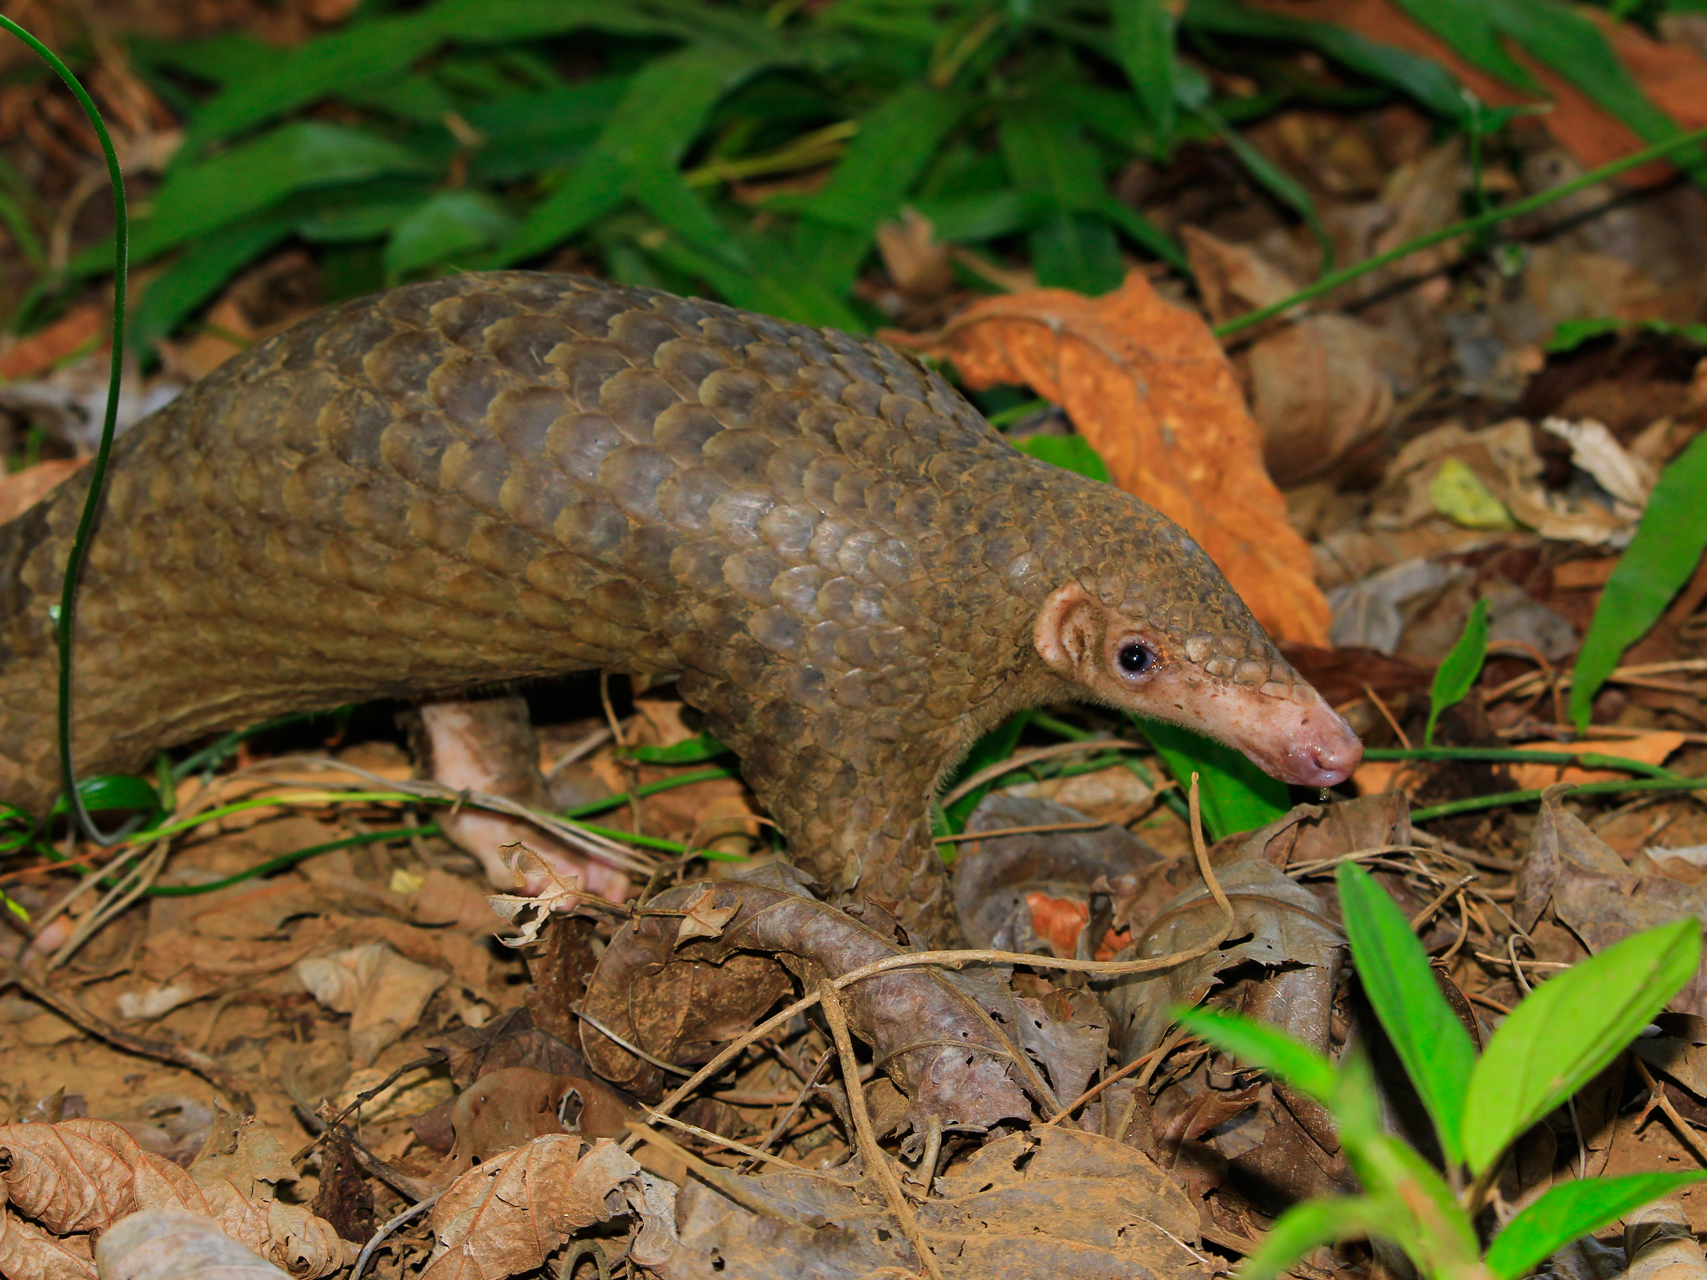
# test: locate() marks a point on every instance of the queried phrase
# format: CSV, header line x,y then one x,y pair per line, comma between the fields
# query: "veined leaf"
x,y
1234,794
1570,1210
1395,973
1669,543
1567,1030
1457,672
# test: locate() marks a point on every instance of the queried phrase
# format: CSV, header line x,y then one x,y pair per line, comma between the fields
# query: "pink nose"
x,y
1334,753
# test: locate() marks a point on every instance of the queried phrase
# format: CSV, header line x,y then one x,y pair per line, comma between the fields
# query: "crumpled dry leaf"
x,y
1596,895
1032,1206
943,1038
1150,388
512,1105
1673,76
503,1217
81,1176
383,993
1315,384
1278,922
528,913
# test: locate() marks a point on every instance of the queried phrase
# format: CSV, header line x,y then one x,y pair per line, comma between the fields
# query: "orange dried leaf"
x,y
1150,388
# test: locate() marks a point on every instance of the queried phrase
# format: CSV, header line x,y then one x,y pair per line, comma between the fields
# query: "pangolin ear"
x,y
1068,631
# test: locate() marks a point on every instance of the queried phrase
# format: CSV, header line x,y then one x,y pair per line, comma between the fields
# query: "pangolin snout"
x,y
1327,752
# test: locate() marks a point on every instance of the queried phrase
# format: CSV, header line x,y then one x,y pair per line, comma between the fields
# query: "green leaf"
x,y
1072,244
1669,543
1425,80
1076,251
663,110
1467,26
1464,498
448,224
1395,973
1568,1030
1457,672
199,272
1303,1227
994,747
695,750
1144,47
1073,453
1574,46
198,199
1256,1044
114,791
1235,795
1571,1210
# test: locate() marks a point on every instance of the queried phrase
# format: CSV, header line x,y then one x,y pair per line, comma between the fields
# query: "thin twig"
x,y
876,1160
379,1237
1031,755
1685,1130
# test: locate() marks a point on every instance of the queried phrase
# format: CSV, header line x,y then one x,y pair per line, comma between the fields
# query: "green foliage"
x,y
1669,543
459,135
1553,1043
1235,795
1457,673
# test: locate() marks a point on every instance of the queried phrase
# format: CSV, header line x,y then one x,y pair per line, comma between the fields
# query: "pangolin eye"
x,y
1136,659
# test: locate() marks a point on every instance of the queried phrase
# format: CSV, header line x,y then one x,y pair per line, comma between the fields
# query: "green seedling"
x,y
1457,672
1551,1045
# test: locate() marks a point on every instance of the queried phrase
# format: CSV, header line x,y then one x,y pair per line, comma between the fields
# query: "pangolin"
x,y
491,478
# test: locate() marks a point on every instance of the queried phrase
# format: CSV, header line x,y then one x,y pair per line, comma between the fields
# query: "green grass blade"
x,y
1236,795
1144,47
1468,28
1457,672
1395,973
1256,1044
1668,545
1077,251
1572,1210
1567,1030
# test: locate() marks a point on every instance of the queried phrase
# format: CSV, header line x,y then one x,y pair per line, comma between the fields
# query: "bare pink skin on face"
x,y
1282,724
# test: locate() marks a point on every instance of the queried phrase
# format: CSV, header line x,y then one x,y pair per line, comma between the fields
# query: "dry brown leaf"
x,y
503,1217
1150,388
168,1244
383,993
23,489
1315,385
36,354
82,1176
1673,76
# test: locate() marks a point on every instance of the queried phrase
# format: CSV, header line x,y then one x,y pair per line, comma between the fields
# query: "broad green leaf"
x,y
1669,543
114,791
1073,453
1256,1044
218,59
198,199
359,211
969,219
1464,498
1467,26
1424,1216
1396,976
1144,47
448,224
1430,84
198,273
1571,1210
1235,795
1567,1030
1303,1227
1457,672
531,133
1048,156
